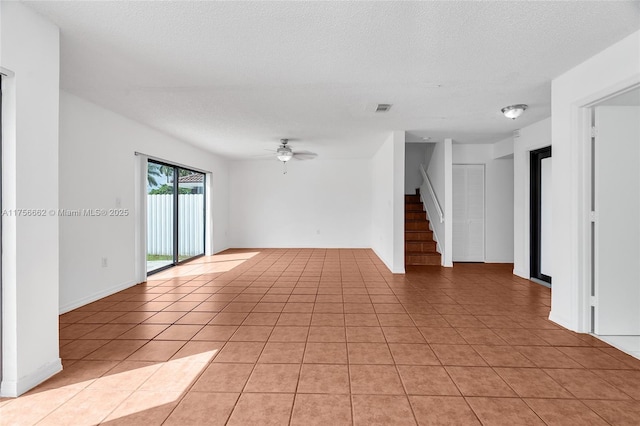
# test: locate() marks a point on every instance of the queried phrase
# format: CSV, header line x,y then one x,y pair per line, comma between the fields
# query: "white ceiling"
x,y
235,77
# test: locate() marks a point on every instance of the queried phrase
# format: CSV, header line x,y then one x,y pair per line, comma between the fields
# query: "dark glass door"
x,y
540,203
175,215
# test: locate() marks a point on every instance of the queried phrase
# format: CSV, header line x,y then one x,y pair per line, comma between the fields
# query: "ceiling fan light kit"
x,y
514,111
284,153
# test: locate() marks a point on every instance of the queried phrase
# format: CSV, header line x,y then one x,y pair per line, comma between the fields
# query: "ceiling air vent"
x,y
516,133
383,107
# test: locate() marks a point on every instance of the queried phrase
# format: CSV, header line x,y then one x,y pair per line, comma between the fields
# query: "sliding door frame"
x,y
535,206
175,222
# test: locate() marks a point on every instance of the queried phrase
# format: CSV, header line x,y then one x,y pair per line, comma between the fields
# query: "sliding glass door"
x,y
190,214
175,215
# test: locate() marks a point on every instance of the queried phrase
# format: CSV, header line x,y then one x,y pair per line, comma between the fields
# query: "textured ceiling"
x,y
235,77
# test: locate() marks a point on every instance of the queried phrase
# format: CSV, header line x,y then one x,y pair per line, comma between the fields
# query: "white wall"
x,y
29,47
499,195
472,153
535,136
387,202
398,202
381,202
414,156
609,71
97,165
503,148
499,211
318,203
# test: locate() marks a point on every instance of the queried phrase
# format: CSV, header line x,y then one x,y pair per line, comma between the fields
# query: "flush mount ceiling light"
x,y
514,111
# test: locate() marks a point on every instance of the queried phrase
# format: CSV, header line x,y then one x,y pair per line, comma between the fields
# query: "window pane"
x,y
160,207
190,214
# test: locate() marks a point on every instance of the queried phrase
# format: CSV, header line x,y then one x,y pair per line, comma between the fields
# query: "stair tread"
x,y
422,253
420,248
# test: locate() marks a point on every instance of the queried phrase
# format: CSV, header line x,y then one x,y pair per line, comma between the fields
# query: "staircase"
x,y
419,246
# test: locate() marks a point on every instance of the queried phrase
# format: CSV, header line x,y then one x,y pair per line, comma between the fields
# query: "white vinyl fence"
x,y
190,224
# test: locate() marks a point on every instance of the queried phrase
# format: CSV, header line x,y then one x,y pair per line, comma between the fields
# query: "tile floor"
x,y
328,337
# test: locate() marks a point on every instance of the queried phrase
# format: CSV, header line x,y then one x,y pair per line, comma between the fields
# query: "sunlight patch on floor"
x,y
217,263
109,397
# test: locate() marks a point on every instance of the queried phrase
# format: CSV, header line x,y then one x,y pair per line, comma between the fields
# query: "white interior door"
x,y
468,213
617,223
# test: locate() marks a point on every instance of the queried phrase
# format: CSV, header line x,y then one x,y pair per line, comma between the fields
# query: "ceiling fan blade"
x,y
271,152
304,155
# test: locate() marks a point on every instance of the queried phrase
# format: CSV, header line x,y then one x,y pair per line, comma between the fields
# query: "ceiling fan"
x,y
284,153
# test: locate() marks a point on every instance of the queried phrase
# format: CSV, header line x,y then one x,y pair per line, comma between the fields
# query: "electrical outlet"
x,y
104,262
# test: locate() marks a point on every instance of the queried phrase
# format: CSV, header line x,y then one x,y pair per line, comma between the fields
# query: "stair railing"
x,y
434,197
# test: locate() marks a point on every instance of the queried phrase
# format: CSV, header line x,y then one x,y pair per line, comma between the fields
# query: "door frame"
x,y
597,284
582,144
535,212
7,107
176,220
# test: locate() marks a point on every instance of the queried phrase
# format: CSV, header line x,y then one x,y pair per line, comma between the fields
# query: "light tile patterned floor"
x,y
328,337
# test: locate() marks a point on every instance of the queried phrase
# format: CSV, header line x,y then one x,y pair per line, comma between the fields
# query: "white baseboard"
x,y
398,271
383,260
521,274
218,251
627,344
389,267
297,246
15,388
563,322
498,261
96,296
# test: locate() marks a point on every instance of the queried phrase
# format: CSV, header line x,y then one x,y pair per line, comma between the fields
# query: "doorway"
x,y
175,215
541,256
615,236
